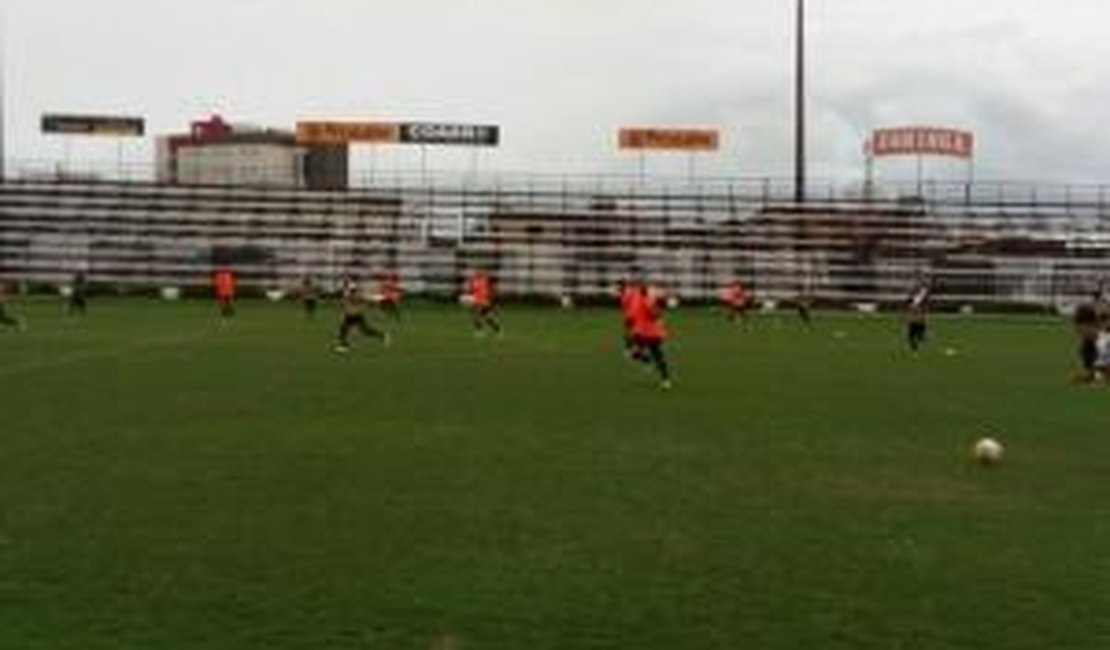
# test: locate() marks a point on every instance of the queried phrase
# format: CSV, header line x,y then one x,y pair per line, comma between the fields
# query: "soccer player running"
x,y
390,294
481,299
649,333
736,301
628,292
917,310
352,307
224,286
1092,326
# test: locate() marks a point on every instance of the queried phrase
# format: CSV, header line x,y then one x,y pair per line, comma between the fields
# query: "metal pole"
x,y
3,95
120,177
423,164
868,172
799,107
920,176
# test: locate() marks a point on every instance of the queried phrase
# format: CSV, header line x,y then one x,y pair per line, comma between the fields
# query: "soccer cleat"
x,y
342,349
666,384
387,340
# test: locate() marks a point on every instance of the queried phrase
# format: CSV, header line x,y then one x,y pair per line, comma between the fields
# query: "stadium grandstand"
x,y
555,237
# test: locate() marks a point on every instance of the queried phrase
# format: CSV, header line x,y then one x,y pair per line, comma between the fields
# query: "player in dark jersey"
x,y
803,305
1088,327
7,318
352,306
78,291
917,310
310,296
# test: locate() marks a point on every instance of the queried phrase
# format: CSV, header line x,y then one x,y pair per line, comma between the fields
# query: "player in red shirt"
x,y
648,331
223,285
481,298
390,294
736,300
628,292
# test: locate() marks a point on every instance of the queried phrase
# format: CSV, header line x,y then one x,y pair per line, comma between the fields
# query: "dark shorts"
x,y
1088,353
353,320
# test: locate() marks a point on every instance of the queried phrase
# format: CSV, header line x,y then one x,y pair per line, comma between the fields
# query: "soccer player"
x,y
1094,343
223,285
78,290
390,294
481,299
917,308
352,307
7,319
1100,302
649,333
310,296
803,304
736,300
628,292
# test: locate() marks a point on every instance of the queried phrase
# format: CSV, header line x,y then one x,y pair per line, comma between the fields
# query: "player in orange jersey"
x,y
628,292
224,286
736,300
649,332
390,294
480,295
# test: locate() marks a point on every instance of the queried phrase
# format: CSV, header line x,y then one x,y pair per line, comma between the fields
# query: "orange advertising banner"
x,y
674,139
343,132
922,140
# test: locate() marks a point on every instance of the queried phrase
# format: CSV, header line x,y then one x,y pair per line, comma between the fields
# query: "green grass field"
x,y
167,483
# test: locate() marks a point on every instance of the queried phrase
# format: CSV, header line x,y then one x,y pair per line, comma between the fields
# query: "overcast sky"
x,y
1030,77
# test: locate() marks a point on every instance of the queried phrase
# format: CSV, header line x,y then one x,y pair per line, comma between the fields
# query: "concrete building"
x,y
215,152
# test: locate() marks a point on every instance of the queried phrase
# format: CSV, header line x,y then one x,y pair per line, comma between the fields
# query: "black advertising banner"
x,y
471,135
107,125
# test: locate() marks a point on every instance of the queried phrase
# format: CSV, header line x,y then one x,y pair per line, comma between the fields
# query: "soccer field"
x,y
168,483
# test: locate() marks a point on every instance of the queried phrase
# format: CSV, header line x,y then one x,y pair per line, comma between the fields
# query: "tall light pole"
x,y
800,104
3,95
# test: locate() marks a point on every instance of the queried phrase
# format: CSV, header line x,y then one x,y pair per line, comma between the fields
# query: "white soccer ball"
x,y
989,451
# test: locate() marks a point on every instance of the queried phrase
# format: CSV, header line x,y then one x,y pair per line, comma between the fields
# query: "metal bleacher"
x,y
978,244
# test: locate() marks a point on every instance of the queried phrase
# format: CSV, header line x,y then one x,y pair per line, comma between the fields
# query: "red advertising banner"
x,y
922,140
675,139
